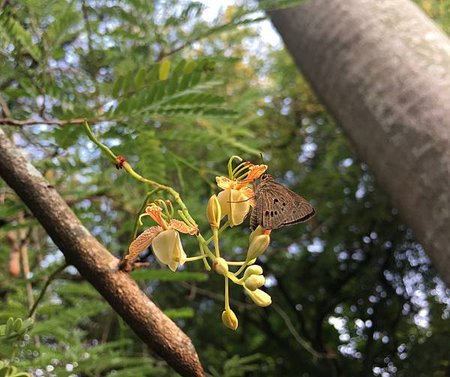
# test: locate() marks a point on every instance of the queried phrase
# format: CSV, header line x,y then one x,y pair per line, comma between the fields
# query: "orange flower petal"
x,y
143,241
254,172
182,227
154,212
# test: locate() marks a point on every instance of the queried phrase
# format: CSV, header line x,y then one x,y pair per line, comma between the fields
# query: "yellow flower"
x,y
168,249
238,195
164,238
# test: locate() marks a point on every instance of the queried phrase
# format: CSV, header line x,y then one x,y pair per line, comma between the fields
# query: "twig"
x,y
56,122
44,288
297,336
234,22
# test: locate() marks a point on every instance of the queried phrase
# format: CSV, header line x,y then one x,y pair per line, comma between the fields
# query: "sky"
x,y
265,28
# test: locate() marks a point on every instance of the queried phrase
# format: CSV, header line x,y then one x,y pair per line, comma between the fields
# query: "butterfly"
x,y
277,206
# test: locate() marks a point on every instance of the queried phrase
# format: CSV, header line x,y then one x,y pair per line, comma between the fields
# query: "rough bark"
x,y
95,263
382,68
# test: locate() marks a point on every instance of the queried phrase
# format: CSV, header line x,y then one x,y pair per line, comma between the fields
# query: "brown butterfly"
x,y
277,206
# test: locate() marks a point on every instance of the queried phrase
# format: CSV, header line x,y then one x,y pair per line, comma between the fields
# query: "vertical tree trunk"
x,y
383,70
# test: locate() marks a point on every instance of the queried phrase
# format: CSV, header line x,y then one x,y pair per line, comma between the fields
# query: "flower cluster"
x,y
227,209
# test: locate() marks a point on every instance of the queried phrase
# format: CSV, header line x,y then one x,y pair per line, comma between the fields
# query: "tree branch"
x,y
95,263
55,122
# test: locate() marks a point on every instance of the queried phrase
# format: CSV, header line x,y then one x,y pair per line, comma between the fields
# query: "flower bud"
x,y
252,270
214,212
254,282
258,245
229,319
259,297
257,232
221,266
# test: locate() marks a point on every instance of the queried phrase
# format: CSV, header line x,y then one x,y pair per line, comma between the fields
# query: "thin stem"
x,y
230,165
204,244
198,257
235,263
51,122
103,147
235,280
44,289
216,241
242,268
297,336
227,296
127,167
221,229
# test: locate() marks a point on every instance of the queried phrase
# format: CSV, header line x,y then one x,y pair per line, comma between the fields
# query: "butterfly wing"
x,y
256,216
300,210
277,206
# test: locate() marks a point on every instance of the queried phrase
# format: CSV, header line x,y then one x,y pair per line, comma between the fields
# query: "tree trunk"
x,y
382,68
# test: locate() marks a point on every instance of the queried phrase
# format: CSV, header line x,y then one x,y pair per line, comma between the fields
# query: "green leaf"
x,y
19,35
179,68
164,69
9,326
189,67
18,323
5,372
179,313
117,87
140,78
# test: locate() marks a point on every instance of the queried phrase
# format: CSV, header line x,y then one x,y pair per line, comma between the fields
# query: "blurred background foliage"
x,y
352,284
